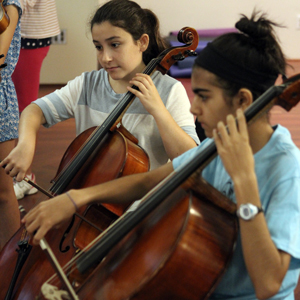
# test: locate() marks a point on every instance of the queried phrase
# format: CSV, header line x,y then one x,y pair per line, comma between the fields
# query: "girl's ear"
x,y
144,42
244,98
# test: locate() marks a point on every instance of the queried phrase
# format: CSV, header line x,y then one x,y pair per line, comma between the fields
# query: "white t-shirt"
x,y
89,99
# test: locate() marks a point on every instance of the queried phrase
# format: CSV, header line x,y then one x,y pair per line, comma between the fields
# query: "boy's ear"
x,y
144,42
244,98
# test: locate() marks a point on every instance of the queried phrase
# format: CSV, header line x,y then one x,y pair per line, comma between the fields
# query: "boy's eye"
x,y
115,45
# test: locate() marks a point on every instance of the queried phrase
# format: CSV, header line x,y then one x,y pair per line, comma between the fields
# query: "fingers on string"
x,y
222,132
216,137
241,120
144,76
231,125
141,82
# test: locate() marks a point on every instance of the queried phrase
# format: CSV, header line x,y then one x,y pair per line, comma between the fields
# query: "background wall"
x,y
66,61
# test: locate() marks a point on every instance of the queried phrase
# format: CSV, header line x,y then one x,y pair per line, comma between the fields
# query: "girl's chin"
x,y
208,134
119,76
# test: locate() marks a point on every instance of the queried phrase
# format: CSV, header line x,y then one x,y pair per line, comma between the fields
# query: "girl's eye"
x,y
115,45
204,98
98,47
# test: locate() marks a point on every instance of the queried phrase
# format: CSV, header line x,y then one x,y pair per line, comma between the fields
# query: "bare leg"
x,y
9,211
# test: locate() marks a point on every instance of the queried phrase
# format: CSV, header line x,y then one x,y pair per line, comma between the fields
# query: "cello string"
x,y
47,249
70,267
51,196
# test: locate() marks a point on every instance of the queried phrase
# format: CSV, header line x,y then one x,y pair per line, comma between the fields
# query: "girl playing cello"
x,y
257,167
126,38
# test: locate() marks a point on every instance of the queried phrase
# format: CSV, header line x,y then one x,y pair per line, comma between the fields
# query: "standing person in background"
x,y
38,24
9,119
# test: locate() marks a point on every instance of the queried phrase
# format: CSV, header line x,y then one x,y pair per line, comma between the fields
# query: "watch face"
x,y
246,213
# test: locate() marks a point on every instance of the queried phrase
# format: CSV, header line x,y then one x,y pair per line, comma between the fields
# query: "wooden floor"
x,y
53,142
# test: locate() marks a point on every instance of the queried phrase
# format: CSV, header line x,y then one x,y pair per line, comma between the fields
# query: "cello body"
x,y
192,230
117,156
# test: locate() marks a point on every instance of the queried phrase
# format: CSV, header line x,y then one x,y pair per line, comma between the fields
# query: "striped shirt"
x,y
39,19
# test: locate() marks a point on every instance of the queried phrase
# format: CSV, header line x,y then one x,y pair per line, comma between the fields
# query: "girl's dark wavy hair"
x,y
129,16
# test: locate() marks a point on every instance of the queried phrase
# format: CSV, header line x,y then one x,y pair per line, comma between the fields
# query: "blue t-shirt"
x,y
277,166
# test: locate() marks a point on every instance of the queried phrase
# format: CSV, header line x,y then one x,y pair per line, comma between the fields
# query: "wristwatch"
x,y
248,211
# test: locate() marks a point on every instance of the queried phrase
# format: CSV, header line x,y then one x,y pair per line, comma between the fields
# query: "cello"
x,y
143,257
84,157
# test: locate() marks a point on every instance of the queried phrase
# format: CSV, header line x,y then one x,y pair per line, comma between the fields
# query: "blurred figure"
x,y
9,119
38,24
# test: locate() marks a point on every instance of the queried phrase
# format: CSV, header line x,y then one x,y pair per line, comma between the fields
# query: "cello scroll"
x,y
291,95
190,38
